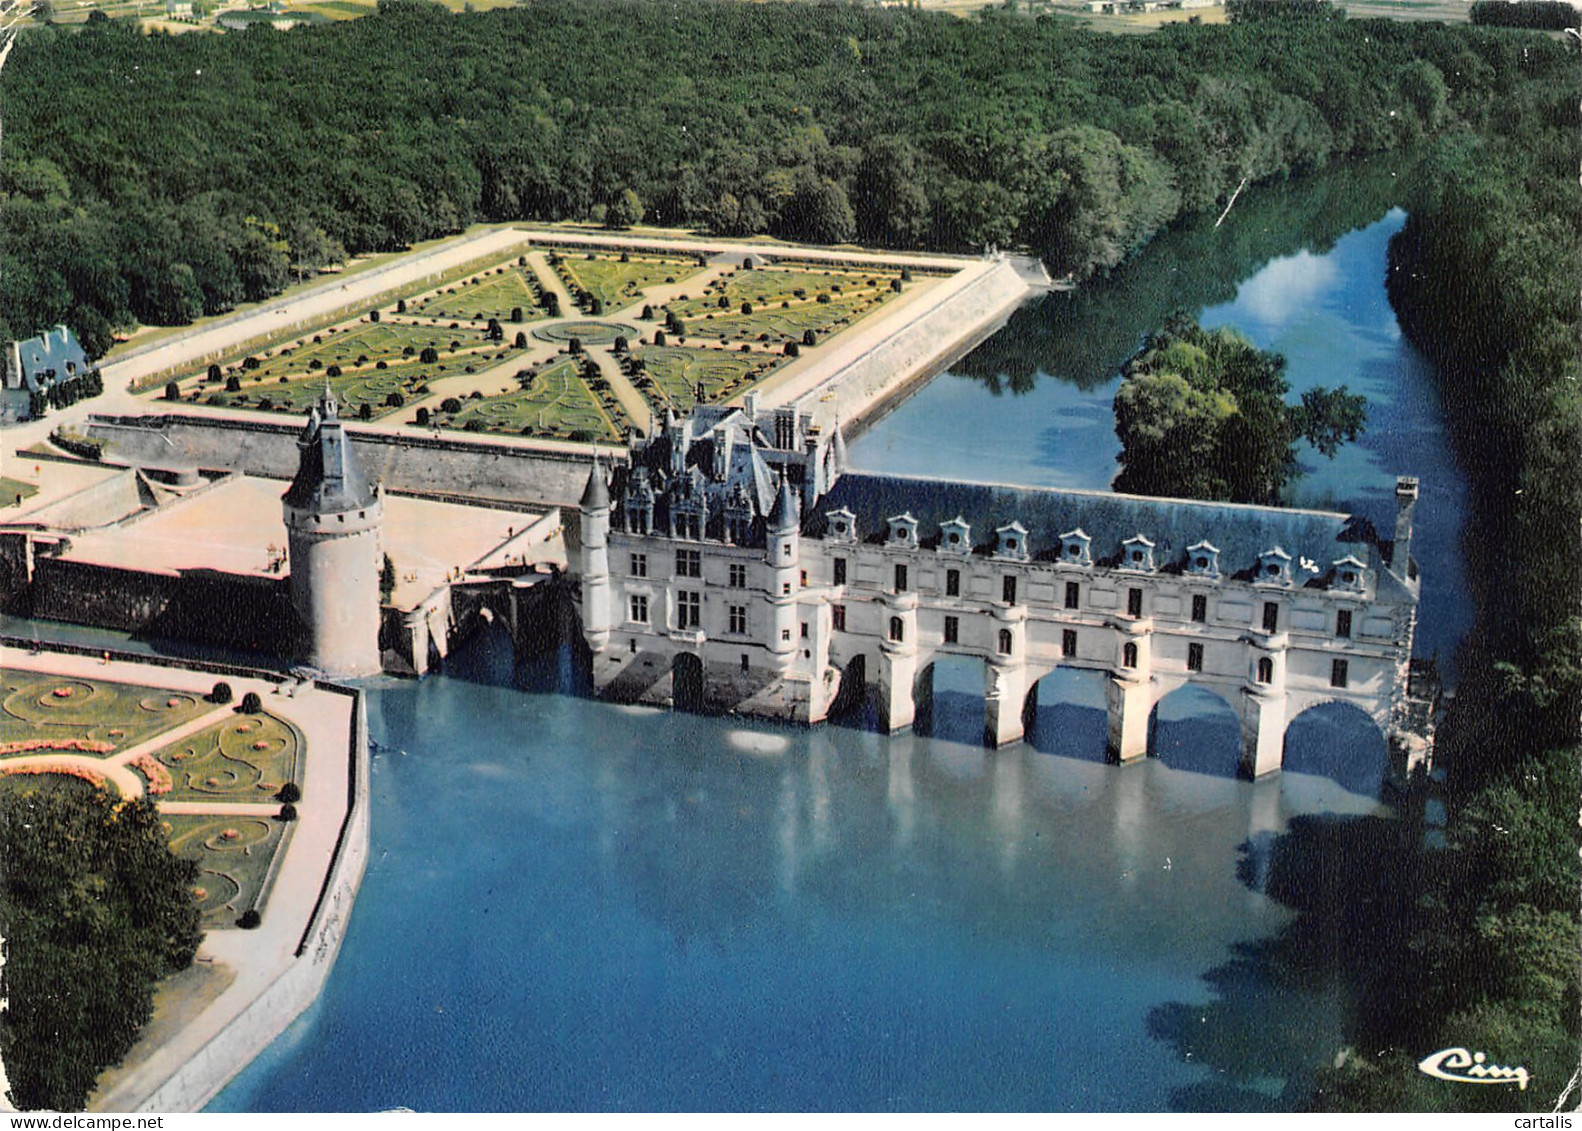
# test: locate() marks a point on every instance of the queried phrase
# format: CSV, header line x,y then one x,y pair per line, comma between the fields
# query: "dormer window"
x,y
1348,575
1011,542
1203,559
955,536
1074,547
842,526
903,531
1137,553
1274,567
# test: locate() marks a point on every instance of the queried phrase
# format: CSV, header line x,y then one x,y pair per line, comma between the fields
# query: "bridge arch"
x,y
1067,713
686,682
1197,727
950,697
1337,739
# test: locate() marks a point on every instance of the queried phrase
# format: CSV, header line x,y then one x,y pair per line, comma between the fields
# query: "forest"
x,y
155,178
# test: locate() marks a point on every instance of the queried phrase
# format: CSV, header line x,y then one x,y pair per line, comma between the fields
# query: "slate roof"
x,y
329,477
54,350
1240,532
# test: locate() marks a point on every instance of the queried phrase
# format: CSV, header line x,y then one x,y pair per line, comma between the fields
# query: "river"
x,y
572,905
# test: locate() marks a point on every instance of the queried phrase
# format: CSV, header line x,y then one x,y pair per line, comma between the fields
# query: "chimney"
x,y
750,405
1405,505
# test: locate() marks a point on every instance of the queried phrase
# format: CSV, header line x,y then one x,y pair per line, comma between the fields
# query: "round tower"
x,y
595,560
333,521
782,551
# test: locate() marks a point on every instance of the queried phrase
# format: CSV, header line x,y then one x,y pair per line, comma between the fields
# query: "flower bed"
x,y
93,777
64,745
158,777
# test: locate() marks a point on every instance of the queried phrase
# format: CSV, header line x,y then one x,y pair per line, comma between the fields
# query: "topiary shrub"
x,y
220,692
172,391
373,316
251,703
422,416
793,350
429,355
365,411
521,340
250,919
400,306
288,813
450,405
809,338
290,793
233,384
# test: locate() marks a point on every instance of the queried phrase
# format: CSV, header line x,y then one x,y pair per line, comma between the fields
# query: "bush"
x,y
747,308
747,263
793,350
290,793
250,919
575,345
252,704
521,340
172,391
659,337
220,692
373,316
516,314
422,416
381,364
251,362
429,356
648,314
400,306
233,384
214,373
288,813
809,338
333,371
450,405
621,344
365,411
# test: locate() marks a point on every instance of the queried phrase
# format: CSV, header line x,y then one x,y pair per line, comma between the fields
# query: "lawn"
x,y
619,280
780,305
234,854
555,402
349,360
245,758
677,375
95,712
14,491
494,294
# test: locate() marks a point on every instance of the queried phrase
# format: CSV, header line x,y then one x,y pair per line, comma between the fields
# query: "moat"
x,y
571,905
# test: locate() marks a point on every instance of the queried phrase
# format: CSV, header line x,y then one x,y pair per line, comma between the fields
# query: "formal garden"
x,y
71,735
509,294
681,377
610,281
234,856
774,306
555,401
51,713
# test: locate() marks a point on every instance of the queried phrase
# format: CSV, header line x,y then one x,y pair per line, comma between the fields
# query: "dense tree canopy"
x,y
95,909
157,178
1202,415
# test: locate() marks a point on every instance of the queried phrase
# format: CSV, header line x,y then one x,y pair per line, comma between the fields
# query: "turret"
x,y
781,551
1405,505
595,559
333,518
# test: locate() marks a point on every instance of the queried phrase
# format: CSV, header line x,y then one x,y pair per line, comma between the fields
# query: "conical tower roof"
x,y
786,513
329,477
596,495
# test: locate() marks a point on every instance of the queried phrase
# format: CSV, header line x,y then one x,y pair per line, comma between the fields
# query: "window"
x,y
1006,641
738,619
785,589
1134,602
1199,607
1194,657
1338,673
837,617
785,634
897,629
1008,590
1271,616
1129,655
952,630
640,609
952,583
803,579
639,565
1265,670
900,578
785,549
689,610
804,630
1073,595
744,662
839,565
1068,642
1343,623
738,576
686,526
689,563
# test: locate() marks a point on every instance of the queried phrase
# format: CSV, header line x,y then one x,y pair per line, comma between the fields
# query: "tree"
x,y
220,692
96,909
1201,414
251,704
624,211
428,355
172,391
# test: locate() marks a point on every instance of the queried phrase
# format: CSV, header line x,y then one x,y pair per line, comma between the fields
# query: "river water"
x,y
572,905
